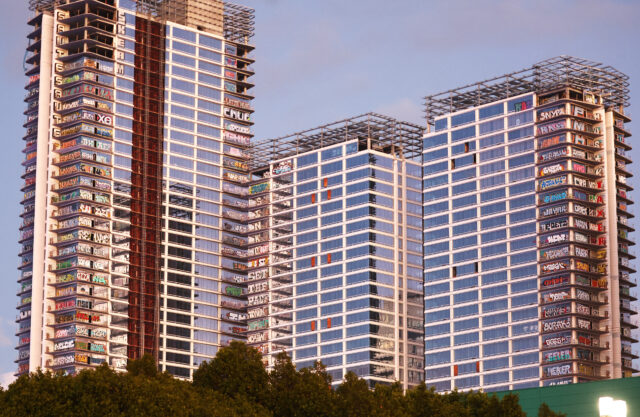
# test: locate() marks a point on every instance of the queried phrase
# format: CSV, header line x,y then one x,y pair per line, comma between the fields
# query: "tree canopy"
x,y
236,383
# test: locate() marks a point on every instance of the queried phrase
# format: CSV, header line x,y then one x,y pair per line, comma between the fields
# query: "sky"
x,y
322,61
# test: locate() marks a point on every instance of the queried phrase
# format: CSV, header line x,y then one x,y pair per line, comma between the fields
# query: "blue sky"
x,y
320,61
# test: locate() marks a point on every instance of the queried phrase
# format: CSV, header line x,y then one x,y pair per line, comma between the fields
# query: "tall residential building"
x,y
138,119
526,226
341,280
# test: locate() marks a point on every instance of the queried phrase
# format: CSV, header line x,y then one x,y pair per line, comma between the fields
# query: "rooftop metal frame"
x,y
550,74
238,21
379,131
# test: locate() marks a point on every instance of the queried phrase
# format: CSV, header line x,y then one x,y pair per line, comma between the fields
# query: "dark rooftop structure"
x,y
377,131
546,75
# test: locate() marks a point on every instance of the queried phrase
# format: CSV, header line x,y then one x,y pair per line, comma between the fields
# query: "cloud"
x,y
404,109
6,379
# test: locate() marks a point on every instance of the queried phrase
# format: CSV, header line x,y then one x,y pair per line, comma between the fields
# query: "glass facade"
x,y
153,223
344,276
526,243
481,315
152,120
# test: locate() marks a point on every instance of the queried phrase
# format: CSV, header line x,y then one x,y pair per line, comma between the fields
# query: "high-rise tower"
x,y
342,282
138,115
527,221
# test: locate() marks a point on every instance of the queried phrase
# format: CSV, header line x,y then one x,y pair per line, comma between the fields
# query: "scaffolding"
x,y
236,23
379,132
553,73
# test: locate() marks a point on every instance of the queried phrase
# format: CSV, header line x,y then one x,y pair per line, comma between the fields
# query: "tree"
x,y
144,366
235,383
354,397
389,400
237,370
545,411
422,401
300,393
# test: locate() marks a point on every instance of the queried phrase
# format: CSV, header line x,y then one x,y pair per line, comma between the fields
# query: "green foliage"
x,y
545,411
304,393
235,383
236,371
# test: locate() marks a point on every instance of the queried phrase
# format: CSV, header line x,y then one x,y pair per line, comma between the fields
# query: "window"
x,y
307,174
491,154
465,256
463,148
463,188
529,242
494,264
527,313
520,133
470,352
521,174
434,248
463,175
435,181
497,333
307,160
524,271
436,221
465,241
493,208
437,358
525,343
465,339
210,42
492,292
520,118
433,155
524,187
492,167
436,194
491,140
522,230
436,234
497,348
441,124
465,228
493,222
332,167
434,141
492,195
464,133
491,126
494,277
498,363
526,285
521,160
491,111
464,215
524,257
520,147
183,85
434,168
436,207
494,249
494,319
464,118
516,203
439,343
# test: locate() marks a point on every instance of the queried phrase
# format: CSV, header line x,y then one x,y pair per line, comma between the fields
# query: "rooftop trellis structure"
x,y
236,23
378,131
546,75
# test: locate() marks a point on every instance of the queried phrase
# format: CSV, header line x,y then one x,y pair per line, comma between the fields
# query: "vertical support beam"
x,y
38,316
